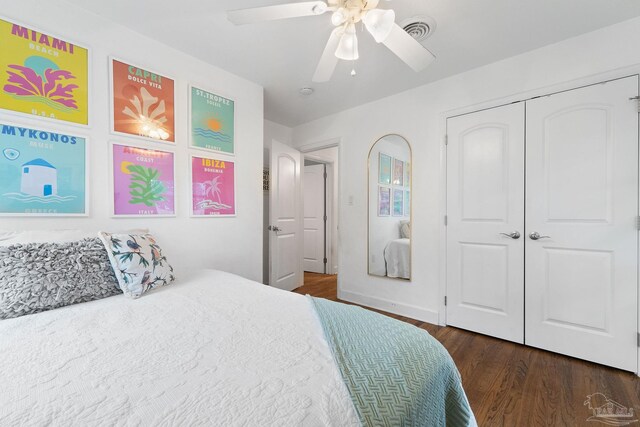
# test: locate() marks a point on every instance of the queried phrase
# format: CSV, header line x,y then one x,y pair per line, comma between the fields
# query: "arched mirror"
x,y
389,247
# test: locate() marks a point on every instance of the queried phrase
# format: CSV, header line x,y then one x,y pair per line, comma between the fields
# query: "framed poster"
x,y
212,187
212,122
42,173
398,202
142,103
407,203
407,174
398,172
384,169
43,75
384,201
143,181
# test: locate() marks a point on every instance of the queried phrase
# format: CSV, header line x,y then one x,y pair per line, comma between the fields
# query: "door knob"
x,y
535,236
276,228
514,235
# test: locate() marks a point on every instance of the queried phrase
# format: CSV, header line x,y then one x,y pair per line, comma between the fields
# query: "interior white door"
x,y
285,243
314,222
582,199
485,215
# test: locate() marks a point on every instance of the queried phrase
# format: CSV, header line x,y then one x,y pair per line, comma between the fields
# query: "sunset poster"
x,y
143,182
212,187
43,75
142,102
41,172
212,121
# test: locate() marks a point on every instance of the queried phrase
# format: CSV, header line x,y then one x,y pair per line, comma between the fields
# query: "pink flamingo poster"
x,y
212,187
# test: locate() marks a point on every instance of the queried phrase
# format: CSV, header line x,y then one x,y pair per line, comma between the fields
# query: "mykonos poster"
x,y
143,182
213,187
42,172
43,75
212,121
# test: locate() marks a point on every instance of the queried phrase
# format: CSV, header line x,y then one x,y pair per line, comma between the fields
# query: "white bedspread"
x,y
217,350
398,258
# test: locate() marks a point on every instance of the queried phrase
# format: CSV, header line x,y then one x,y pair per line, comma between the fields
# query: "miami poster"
x,y
213,187
212,121
43,75
143,182
142,102
41,172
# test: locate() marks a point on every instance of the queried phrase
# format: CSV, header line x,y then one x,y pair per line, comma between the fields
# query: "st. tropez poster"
x,y
212,187
384,201
398,202
384,169
142,102
41,172
212,121
143,181
43,75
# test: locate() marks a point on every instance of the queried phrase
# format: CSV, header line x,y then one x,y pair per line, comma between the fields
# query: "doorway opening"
x,y
320,200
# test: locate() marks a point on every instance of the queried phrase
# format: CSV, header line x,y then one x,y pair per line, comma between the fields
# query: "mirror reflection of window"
x,y
389,244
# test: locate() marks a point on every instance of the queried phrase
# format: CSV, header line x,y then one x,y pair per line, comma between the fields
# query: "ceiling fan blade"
x,y
408,49
279,11
328,61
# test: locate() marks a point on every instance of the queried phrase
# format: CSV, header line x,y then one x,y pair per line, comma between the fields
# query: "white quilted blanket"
x,y
216,350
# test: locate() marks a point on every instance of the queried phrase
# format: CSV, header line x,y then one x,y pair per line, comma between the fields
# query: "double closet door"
x,y
542,209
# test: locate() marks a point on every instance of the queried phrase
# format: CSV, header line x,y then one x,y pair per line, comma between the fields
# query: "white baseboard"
x,y
405,310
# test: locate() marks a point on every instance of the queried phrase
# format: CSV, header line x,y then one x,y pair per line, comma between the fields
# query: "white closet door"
x,y
485,198
582,198
314,224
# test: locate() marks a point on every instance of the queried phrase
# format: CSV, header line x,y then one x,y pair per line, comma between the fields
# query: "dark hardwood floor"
x,y
514,385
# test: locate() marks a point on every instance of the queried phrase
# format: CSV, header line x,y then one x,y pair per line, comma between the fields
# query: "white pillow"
x,y
405,229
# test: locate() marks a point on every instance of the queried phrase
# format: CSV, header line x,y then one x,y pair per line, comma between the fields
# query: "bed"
x,y
216,349
397,258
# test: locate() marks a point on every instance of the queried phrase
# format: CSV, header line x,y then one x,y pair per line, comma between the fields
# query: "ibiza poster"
x,y
143,181
212,121
398,202
43,75
212,187
384,169
41,172
384,201
142,102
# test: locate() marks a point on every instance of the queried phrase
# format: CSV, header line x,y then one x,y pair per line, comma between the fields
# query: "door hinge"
x,y
638,223
324,260
325,175
446,140
445,300
637,99
446,220
325,218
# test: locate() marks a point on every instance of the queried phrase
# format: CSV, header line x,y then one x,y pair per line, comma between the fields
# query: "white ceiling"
x,y
282,55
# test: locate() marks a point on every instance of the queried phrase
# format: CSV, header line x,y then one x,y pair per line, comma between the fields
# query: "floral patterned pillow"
x,y
137,262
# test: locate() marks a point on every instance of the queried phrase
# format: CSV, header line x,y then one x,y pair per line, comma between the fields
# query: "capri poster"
x,y
143,182
43,75
41,173
212,121
142,102
213,187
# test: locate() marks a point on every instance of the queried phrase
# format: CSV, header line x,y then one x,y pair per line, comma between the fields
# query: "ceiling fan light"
x,y
379,23
348,46
339,16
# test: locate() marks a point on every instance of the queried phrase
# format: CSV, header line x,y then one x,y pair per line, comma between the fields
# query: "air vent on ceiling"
x,y
419,27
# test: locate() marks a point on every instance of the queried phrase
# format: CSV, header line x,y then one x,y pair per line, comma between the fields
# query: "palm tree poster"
x,y
212,121
43,75
142,102
213,187
143,181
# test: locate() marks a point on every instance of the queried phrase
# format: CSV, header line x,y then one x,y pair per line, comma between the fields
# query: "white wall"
x,y
419,115
225,243
383,229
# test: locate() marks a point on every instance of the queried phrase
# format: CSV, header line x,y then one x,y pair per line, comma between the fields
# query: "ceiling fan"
x,y
343,42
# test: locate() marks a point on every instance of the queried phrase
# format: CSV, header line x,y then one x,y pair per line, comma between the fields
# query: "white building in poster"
x,y
39,178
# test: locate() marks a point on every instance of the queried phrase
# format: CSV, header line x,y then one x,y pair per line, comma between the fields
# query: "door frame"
x,y
564,86
332,222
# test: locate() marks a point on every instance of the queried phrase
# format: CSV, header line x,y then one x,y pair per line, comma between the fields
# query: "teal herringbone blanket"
x,y
397,374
